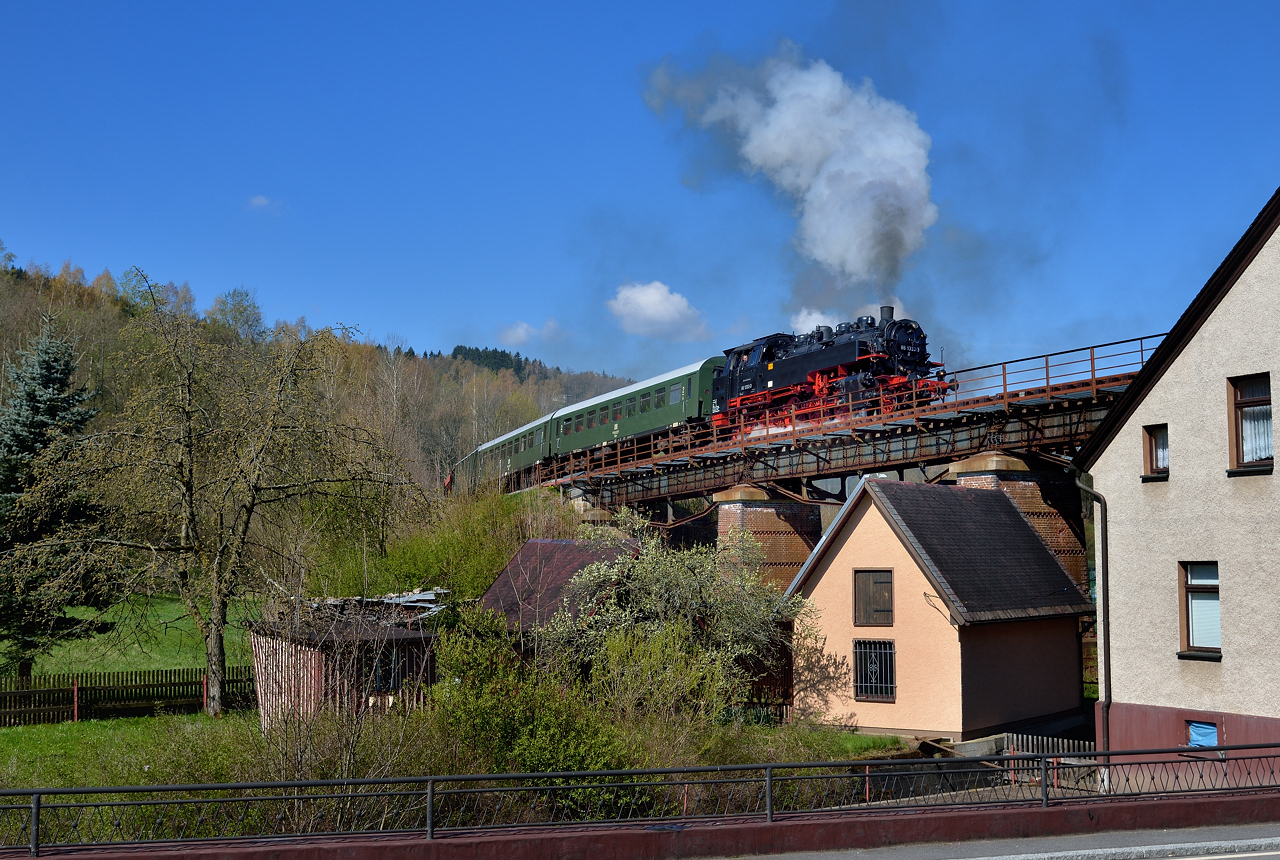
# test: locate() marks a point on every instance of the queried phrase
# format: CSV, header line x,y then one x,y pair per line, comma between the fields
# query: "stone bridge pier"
x,y
787,530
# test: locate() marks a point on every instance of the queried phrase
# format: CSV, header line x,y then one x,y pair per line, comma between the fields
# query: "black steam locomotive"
x,y
883,366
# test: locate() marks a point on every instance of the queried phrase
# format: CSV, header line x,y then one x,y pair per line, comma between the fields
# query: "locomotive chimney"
x,y
886,313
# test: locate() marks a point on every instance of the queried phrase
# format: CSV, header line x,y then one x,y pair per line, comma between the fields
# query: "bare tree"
x,y
219,437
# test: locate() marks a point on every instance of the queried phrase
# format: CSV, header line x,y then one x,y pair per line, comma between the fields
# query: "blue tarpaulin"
x,y
1202,734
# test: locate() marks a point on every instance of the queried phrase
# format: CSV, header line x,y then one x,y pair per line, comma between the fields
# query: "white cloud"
x,y
653,310
807,319
521,333
258,201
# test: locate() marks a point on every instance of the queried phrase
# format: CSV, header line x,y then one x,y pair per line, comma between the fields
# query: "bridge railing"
x,y
1024,378
443,805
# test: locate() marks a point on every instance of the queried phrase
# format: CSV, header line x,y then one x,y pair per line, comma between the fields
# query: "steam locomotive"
x,y
884,365
879,366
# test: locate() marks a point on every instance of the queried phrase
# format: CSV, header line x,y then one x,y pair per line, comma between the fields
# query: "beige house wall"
x,y
927,645
1199,514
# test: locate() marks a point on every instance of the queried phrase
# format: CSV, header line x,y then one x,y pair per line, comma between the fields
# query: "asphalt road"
x,y
1198,843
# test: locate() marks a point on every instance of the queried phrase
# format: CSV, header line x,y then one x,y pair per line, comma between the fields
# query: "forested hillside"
x,y
436,406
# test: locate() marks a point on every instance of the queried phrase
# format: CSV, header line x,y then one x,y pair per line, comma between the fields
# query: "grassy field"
x,y
154,633
196,748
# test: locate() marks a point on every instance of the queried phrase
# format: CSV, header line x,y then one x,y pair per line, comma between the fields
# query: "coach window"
x,y
566,427
644,403
676,394
659,398
577,423
537,439
631,407
617,411
1251,444
591,419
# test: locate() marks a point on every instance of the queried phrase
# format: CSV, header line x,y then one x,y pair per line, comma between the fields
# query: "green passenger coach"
x,y
667,400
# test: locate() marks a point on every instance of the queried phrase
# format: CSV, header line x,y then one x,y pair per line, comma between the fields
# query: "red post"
x,y
75,699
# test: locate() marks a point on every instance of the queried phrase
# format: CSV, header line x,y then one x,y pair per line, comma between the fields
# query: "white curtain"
x,y
1255,422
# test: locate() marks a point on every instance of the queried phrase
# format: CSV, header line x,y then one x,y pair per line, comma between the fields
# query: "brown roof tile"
x,y
529,590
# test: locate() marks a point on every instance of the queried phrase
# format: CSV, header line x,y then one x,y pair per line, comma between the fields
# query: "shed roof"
x,y
1204,304
982,555
530,589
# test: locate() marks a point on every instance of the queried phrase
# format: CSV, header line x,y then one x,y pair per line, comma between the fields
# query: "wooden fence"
x,y
96,695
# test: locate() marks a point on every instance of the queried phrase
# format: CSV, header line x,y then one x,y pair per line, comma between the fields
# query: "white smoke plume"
x,y
854,162
807,319
520,333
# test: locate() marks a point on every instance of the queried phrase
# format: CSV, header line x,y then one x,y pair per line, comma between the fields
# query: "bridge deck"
x,y
1048,403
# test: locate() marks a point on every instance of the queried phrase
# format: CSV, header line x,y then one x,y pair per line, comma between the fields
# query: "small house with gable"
x,y
941,612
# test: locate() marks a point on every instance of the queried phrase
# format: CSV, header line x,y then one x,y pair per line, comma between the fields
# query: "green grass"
x,y
154,633
196,748
93,752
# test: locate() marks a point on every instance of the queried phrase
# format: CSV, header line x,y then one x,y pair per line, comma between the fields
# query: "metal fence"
x,y
450,805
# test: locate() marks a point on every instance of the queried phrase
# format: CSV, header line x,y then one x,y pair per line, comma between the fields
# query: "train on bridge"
x,y
876,366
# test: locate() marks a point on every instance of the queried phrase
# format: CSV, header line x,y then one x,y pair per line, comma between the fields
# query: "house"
x,y
530,589
344,653
941,612
1185,463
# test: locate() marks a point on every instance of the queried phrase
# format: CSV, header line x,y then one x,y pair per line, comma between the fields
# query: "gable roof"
x,y
1204,304
981,554
530,589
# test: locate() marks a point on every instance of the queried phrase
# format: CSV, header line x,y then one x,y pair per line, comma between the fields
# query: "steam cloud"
x,y
521,333
854,161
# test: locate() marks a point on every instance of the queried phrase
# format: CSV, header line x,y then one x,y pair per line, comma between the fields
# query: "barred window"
x,y
874,670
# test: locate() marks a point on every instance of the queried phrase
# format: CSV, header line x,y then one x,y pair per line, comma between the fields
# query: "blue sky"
x,y
494,174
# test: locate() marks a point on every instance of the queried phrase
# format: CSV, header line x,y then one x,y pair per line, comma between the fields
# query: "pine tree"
x,y
43,407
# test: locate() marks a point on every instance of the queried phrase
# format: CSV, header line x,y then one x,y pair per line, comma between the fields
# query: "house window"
x,y
1202,734
644,403
873,598
1252,447
874,678
1201,615
631,407
1156,458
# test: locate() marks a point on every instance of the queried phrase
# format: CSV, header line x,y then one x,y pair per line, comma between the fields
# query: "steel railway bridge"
x,y
1047,404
